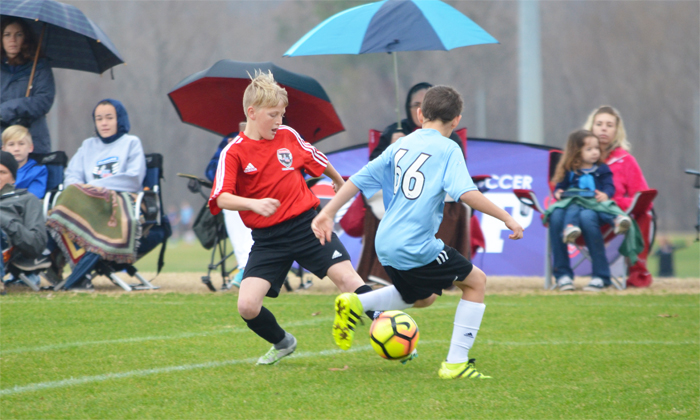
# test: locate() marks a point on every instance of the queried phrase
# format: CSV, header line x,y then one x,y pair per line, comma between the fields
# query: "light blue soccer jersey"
x,y
414,174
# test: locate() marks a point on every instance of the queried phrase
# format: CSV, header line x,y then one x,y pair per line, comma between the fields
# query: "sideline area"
x,y
191,283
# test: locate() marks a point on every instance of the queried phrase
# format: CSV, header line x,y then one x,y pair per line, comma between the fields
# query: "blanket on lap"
x,y
97,220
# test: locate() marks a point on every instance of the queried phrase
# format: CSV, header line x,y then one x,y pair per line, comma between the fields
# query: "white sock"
x,y
384,299
467,322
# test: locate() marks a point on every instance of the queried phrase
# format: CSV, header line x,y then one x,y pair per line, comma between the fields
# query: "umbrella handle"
x,y
36,58
396,82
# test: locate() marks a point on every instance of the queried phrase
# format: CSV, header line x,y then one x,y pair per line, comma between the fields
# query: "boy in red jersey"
x,y
259,174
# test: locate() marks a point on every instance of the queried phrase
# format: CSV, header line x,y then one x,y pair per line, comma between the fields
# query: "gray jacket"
x,y
15,108
22,220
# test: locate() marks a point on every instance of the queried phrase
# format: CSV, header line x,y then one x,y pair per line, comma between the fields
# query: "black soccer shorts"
x,y
421,282
275,248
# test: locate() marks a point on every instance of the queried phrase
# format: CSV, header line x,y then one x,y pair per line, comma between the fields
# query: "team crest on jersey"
x,y
285,158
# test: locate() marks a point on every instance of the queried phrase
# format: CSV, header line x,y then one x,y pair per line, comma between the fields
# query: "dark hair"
x,y
571,160
29,45
441,103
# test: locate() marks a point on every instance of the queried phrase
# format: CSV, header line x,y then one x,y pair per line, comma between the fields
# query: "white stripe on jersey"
x,y
317,155
221,167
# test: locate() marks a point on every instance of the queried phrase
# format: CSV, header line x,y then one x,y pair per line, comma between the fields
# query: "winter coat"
x,y
15,108
33,177
22,220
627,176
602,177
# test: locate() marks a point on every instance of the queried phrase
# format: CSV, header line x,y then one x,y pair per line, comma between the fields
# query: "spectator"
x,y
21,222
107,168
238,233
186,221
606,123
17,140
665,255
454,226
587,184
19,46
114,159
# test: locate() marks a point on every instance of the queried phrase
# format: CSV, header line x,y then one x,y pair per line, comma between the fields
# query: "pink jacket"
x,y
627,177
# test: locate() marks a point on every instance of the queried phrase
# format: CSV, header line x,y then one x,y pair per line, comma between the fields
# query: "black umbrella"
x,y
68,38
213,99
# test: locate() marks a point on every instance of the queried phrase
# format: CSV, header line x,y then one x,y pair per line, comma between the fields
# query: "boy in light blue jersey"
x,y
415,174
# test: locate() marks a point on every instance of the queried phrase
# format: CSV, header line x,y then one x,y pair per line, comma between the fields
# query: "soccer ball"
x,y
394,335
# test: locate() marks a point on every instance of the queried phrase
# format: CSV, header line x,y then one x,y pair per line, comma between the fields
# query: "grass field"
x,y
157,355
182,257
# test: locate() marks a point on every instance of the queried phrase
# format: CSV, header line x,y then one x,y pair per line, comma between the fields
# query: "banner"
x,y
511,165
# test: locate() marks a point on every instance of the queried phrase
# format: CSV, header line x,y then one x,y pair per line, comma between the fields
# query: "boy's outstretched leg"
x,y
470,312
263,322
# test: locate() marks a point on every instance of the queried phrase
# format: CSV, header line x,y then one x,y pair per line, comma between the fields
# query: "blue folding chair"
x,y
149,204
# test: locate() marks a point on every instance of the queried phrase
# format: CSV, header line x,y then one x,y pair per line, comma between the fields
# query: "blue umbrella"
x,y
390,26
68,38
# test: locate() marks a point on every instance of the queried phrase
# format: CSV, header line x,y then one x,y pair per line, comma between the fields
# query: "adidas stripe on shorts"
x,y
275,248
421,282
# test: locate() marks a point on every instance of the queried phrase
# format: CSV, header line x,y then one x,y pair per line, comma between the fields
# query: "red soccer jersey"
x,y
269,169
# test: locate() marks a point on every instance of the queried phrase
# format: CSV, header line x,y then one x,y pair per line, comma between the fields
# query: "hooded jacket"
x,y
33,177
627,177
116,163
30,111
22,220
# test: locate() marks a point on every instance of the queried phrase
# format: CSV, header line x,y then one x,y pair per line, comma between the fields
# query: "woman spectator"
x,y
454,224
19,47
606,123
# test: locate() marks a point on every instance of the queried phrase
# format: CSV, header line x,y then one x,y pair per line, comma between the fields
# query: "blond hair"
x,y
620,139
263,92
16,132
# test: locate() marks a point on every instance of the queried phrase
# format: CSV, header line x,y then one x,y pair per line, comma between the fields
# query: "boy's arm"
x,y
265,207
478,201
322,225
331,173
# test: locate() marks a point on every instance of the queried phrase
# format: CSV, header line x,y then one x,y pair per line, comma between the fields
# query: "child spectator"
x,y
21,222
259,175
584,188
17,140
415,173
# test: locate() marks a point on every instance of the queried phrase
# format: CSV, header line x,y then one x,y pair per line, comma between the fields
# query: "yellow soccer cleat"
x,y
348,310
460,370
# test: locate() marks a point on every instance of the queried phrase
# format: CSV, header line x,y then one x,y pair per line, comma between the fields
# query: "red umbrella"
x,y
212,99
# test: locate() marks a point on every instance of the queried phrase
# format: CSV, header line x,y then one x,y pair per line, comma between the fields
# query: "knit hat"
x,y
8,161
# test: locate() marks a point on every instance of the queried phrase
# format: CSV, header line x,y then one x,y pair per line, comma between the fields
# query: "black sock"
x,y
365,289
265,325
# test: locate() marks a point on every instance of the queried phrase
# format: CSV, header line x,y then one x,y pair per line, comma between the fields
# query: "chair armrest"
x,y
153,205
480,182
528,199
641,202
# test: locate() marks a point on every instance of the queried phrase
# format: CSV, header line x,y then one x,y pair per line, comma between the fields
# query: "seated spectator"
x,y
606,123
31,176
103,176
454,223
240,236
113,159
21,222
584,187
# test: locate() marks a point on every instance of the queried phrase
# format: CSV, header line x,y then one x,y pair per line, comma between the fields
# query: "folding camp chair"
x,y
640,203
158,231
211,232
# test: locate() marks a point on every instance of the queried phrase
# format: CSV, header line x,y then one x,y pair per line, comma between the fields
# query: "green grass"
x,y
183,257
190,356
686,260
